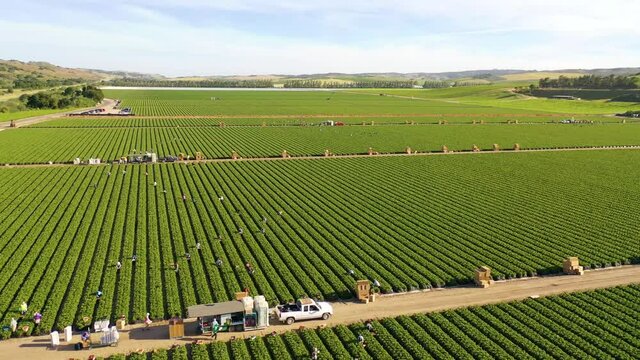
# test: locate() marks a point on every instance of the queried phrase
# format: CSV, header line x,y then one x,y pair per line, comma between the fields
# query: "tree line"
x,y
368,84
590,82
259,83
69,97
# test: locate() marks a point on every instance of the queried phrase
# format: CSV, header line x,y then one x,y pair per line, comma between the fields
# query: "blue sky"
x,y
224,37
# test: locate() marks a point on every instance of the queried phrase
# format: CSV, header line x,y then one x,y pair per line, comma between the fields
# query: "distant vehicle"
x,y
304,309
339,123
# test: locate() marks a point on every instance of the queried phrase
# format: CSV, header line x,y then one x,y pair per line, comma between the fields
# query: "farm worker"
x,y
134,258
188,256
221,198
264,219
351,272
280,212
155,183
37,317
124,172
13,325
198,246
369,325
118,265
85,336
262,230
214,329
219,262
184,197
376,283
98,294
147,322
315,353
23,308
146,173
164,191
109,173
176,267
361,340
240,231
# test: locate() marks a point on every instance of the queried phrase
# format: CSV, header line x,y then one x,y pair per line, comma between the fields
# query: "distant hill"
x,y
37,74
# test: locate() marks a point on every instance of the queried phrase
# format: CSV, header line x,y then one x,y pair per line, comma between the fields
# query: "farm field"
x,y
498,96
269,120
40,145
596,324
409,222
250,103
28,113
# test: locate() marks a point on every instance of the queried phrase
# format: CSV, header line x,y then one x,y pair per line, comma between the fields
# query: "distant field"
x,y
498,96
39,145
80,122
535,76
176,102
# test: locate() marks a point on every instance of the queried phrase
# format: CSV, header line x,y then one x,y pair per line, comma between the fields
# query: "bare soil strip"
x,y
135,338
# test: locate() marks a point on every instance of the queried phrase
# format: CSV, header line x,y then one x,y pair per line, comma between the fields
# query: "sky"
x,y
245,37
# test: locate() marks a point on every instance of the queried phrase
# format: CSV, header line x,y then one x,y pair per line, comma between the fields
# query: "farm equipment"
x,y
363,291
571,266
285,154
496,147
170,158
445,149
483,277
475,148
516,147
372,152
234,155
199,156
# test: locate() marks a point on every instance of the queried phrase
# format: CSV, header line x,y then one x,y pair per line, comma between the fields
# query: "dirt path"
x,y
317,157
345,312
106,104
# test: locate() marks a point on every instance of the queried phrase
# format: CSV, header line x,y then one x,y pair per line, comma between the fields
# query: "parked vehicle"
x,y
303,309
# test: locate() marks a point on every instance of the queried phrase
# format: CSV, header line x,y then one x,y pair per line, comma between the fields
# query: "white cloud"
x,y
457,35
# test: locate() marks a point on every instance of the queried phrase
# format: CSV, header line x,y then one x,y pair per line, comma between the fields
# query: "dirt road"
x,y
345,312
106,104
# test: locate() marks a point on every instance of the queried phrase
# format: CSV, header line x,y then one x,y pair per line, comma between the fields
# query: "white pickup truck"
x,y
303,309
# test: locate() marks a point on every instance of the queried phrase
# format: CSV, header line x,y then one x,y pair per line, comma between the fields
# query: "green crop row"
x,y
592,325
409,222
33,145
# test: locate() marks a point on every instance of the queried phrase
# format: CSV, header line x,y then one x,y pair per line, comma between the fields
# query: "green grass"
x,y
28,113
39,145
410,222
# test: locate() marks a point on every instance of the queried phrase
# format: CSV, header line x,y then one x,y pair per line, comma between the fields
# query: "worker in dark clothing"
x,y
219,262
369,325
134,258
98,294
